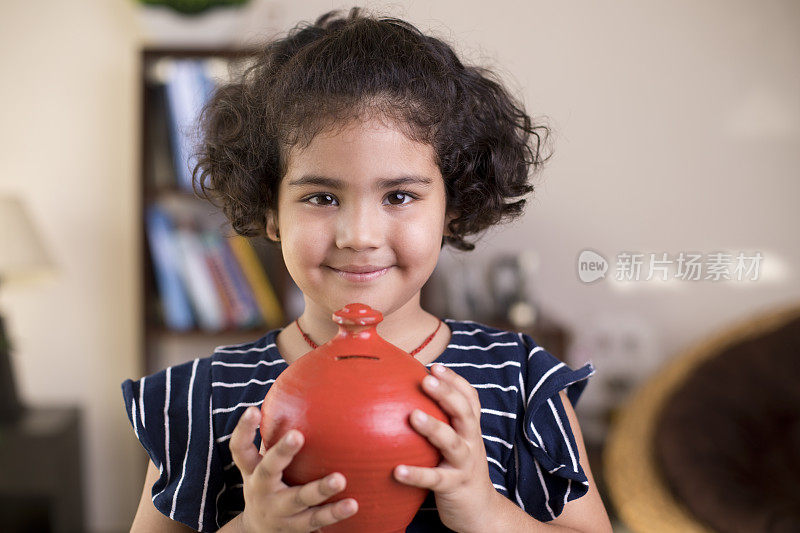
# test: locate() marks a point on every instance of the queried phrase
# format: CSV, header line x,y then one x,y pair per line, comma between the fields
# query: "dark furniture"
x,y
40,471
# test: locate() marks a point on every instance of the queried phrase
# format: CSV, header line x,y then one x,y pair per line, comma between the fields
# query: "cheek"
x,y
302,240
419,240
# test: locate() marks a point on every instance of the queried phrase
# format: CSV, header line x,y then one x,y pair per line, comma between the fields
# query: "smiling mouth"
x,y
361,276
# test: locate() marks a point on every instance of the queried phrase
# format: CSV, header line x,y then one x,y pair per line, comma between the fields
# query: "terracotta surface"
x,y
352,398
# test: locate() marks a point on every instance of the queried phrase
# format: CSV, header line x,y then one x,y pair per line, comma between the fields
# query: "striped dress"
x,y
184,415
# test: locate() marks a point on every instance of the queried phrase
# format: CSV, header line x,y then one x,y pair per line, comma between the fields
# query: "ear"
x,y
272,226
449,216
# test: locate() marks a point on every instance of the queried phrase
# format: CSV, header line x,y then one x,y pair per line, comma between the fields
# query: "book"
x,y
221,282
199,281
243,291
237,298
174,300
188,88
263,291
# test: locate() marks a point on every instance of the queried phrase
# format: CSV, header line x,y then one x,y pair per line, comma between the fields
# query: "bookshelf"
x,y
202,286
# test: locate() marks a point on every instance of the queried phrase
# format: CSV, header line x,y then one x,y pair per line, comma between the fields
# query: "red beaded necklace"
x,y
420,347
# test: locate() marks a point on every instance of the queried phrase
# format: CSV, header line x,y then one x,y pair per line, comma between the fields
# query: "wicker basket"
x,y
636,488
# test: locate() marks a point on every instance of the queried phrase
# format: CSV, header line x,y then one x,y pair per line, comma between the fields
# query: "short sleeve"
x,y
549,469
170,412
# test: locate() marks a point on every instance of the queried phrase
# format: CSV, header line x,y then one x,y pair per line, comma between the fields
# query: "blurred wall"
x,y
68,147
677,128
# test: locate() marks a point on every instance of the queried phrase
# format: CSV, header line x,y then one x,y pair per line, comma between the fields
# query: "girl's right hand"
x,y
271,505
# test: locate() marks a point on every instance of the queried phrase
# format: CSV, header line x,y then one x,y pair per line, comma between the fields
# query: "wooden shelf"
x,y
161,346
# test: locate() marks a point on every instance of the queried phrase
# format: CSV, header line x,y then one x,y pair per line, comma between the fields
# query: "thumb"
x,y
244,452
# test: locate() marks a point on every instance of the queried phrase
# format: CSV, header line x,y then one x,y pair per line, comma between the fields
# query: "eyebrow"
x,y
384,183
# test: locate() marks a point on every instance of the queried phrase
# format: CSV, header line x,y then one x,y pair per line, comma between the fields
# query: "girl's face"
x,y
363,195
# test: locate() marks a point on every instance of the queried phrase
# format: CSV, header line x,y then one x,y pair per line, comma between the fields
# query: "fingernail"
x,y
350,506
438,368
419,416
291,438
431,381
402,471
334,482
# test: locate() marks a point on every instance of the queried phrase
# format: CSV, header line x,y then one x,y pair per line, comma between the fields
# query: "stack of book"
x,y
208,278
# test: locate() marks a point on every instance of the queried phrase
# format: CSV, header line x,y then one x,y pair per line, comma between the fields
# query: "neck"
x,y
405,327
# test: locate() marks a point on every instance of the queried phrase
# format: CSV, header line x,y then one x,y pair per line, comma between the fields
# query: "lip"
x,y
361,276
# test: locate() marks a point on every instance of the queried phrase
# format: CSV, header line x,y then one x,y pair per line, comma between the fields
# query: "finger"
x,y
454,402
278,457
326,515
417,476
300,498
451,444
453,378
244,452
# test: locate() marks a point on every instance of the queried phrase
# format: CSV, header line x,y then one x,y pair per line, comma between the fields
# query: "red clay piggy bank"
x,y
351,399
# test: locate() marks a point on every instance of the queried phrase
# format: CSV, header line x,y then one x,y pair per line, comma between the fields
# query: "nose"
x,y
359,227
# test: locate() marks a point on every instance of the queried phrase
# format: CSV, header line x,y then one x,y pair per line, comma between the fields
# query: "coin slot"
x,y
370,357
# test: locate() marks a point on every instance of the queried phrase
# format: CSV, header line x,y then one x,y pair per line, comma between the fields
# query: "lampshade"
x,y
22,254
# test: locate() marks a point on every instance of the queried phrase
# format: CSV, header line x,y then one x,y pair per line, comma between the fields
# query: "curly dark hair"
x,y
353,67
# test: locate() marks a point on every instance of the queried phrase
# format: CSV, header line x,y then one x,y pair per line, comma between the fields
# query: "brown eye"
x,y
401,195
326,196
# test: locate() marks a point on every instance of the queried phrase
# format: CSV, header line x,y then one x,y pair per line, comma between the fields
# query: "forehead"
x,y
372,150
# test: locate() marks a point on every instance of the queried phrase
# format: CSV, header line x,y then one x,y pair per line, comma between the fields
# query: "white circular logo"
x,y
591,266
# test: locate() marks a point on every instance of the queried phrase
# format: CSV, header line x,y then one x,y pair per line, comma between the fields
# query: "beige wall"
x,y
678,130
68,148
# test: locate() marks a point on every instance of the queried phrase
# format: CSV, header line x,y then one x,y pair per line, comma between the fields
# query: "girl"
x,y
361,147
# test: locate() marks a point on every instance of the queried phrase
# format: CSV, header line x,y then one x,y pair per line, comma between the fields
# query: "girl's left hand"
x,y
461,483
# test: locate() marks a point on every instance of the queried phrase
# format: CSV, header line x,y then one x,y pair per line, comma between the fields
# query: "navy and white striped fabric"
x,y
184,417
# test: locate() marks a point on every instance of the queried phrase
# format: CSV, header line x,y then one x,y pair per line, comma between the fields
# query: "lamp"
x,y
22,257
